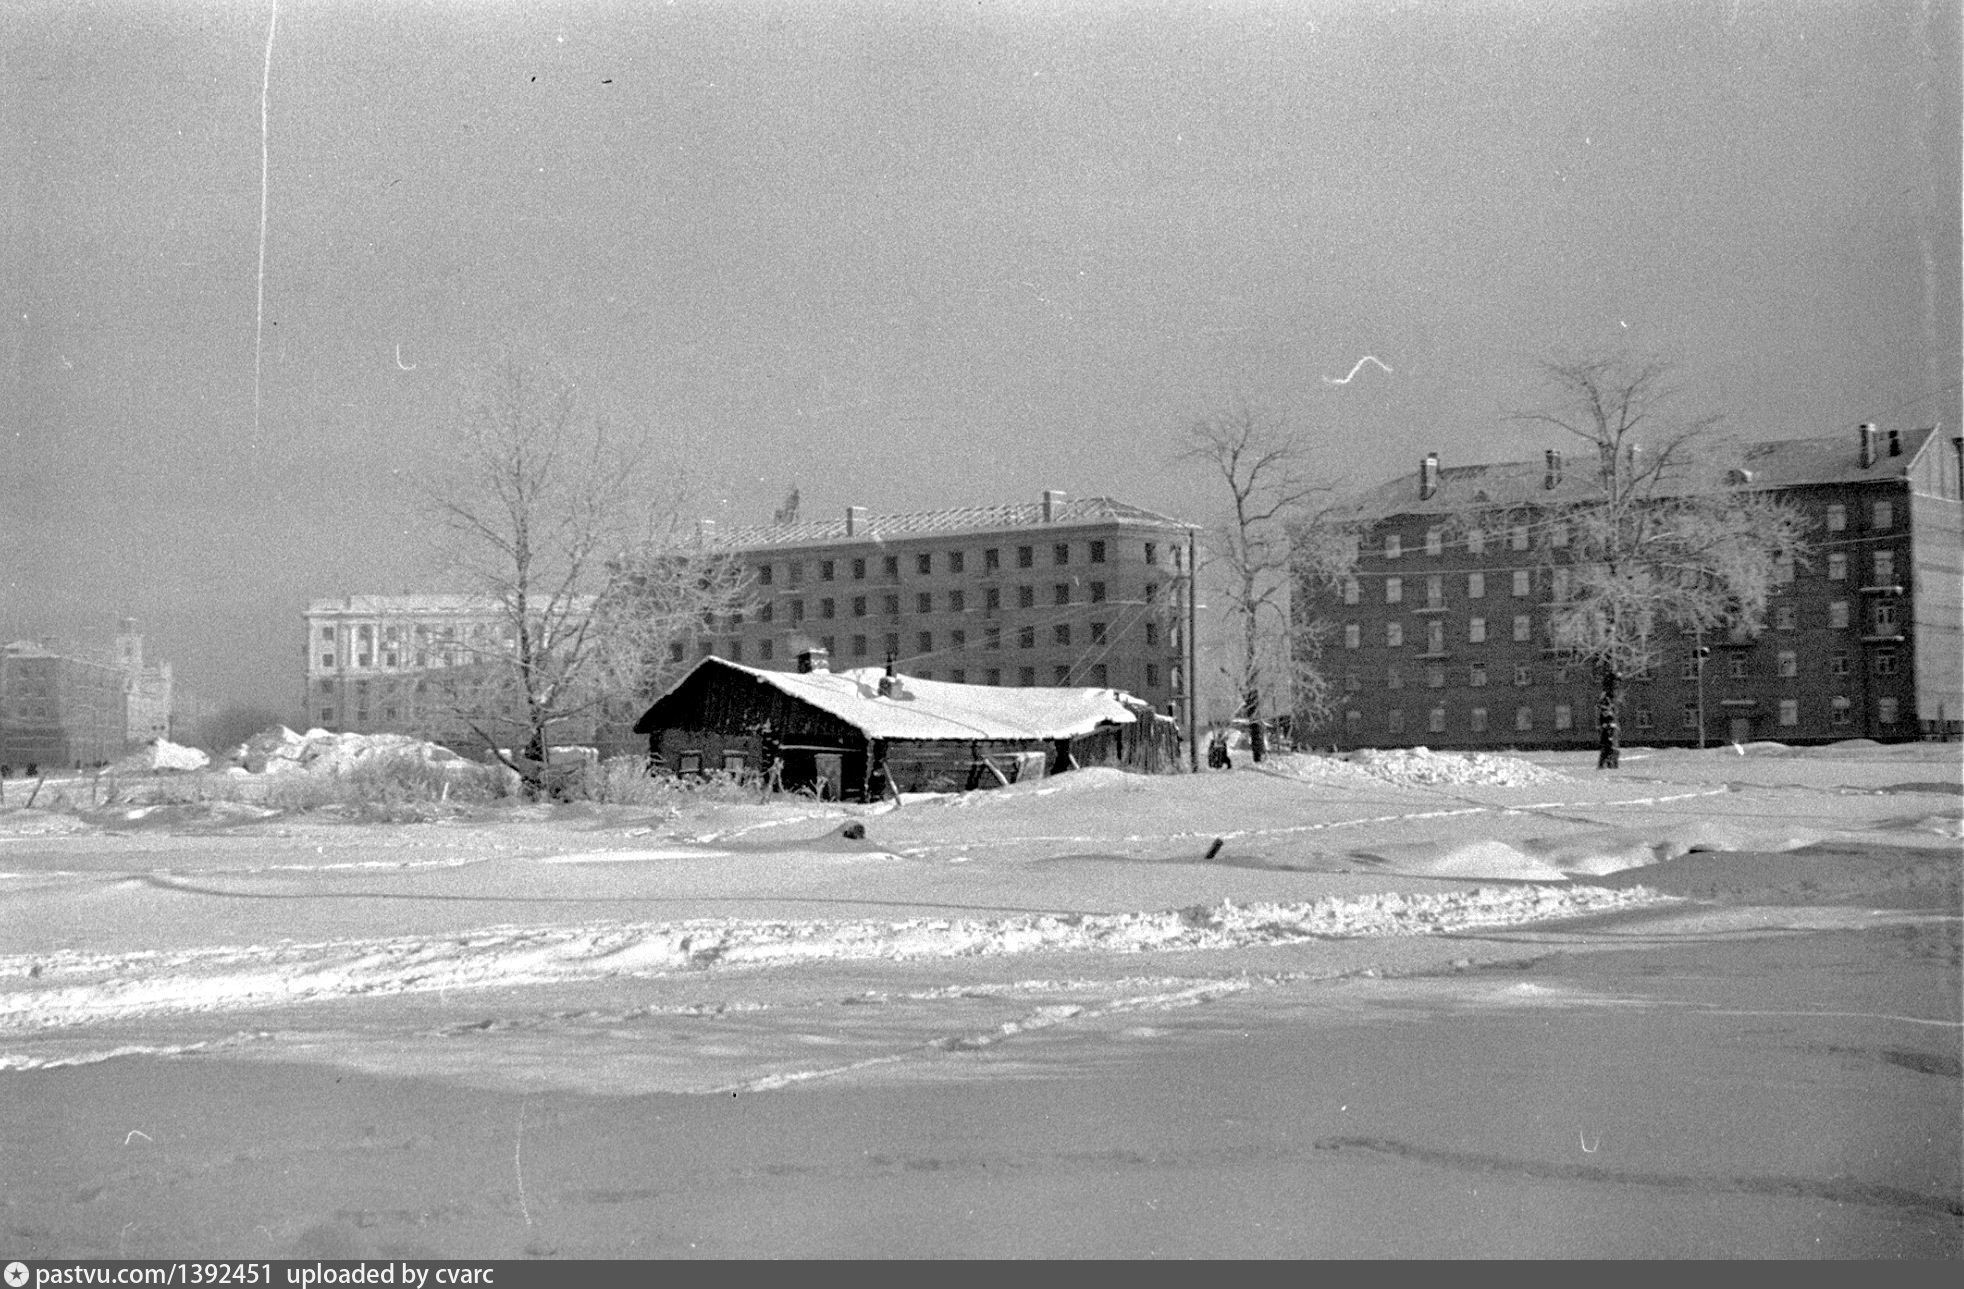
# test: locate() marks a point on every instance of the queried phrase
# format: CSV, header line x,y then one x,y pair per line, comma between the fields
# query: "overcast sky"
x,y
905,255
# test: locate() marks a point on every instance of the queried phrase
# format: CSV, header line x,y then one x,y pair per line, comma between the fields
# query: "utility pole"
x,y
1702,654
1192,667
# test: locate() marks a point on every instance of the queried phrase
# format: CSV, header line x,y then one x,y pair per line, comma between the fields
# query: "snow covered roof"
x,y
1077,512
932,709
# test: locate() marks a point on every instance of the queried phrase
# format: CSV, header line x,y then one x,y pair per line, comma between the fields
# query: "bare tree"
x,y
1664,533
1270,495
587,584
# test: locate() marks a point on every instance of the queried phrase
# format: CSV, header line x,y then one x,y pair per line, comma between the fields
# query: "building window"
x,y
827,608
1394,590
1837,517
1352,682
764,650
924,602
766,611
1838,614
1517,537
1394,678
1026,597
736,651
827,569
1097,592
859,646
1435,675
1097,552
1350,590
1060,554
1564,716
1025,556
1885,617
1394,634
859,570
1789,664
1393,546
1477,719
1783,617
1885,711
1476,675
892,643
1152,593
1885,514
890,565
1352,636
892,605
993,676
1476,541
991,598
1060,593
1152,553
1476,630
1521,674
1688,670
1522,581
1838,710
958,639
797,572
1061,633
1523,627
327,660
1434,541
1558,534
1689,717
705,648
1837,566
1476,586
1152,633
1099,675
959,675
1524,718
1435,720
327,716
1026,637
1435,637
1885,662
1885,567
957,601
1097,633
1435,591
1644,720
955,561
1789,711
1152,675
1736,666
924,564
1783,569
327,635
991,560
859,606
1394,720
992,639
1838,664
923,643
797,610
1060,675
763,575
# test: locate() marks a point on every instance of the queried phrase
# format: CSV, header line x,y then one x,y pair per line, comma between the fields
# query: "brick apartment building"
x,y
72,707
1440,638
1087,592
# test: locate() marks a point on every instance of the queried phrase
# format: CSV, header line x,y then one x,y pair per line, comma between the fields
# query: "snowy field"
x,y
979,941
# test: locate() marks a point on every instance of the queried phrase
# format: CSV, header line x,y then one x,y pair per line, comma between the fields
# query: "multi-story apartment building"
x,y
71,708
1440,637
1090,592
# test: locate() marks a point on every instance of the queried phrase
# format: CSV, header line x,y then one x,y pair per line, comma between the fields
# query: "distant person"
x,y
1217,753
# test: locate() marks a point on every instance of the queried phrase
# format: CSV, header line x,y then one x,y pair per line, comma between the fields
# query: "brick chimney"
x,y
1053,503
1428,476
815,659
855,520
1554,475
1895,443
1867,455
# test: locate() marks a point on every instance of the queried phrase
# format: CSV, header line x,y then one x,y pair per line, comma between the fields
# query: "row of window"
x,y
956,601
1883,620
953,562
1555,532
1882,566
1787,664
1061,634
1526,717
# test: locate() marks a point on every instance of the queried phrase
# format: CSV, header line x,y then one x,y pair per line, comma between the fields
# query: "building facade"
x,y
1440,637
72,708
1090,592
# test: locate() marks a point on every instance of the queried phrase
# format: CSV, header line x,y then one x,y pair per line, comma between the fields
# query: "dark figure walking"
x,y
1606,742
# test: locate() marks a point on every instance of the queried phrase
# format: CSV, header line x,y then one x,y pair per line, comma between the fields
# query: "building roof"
x,y
437,603
932,709
871,528
1775,463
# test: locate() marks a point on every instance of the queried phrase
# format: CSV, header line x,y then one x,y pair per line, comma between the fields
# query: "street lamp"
x,y
1704,652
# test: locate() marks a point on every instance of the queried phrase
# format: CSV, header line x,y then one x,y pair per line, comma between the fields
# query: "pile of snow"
x,y
280,751
1423,766
161,754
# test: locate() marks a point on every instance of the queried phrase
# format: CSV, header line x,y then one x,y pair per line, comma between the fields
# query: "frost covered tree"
x,y
587,582
1662,530
1271,498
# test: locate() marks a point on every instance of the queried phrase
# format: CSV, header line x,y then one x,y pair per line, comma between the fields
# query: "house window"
x,y
1838,710
1885,567
763,575
1394,678
1435,675
1152,593
797,572
1476,675
924,564
327,635
1837,518
958,639
1435,720
1564,716
1885,662
1026,597
1097,592
1517,537
1434,541
1152,675
1393,546
1026,637
958,675
1476,541
859,570
766,611
1783,617
1097,633
1521,675
1394,720
955,561
1435,637
1394,589
1060,675
327,660
1838,664
327,716
892,605
764,649
1152,553
1783,568
797,610
1688,670
1838,613
1522,579
1097,553
1523,627
1152,633
1789,711
1025,556
827,608
1885,617
991,562
1885,514
991,599
1523,718
992,639
1394,634
1558,534
827,569
689,762
1476,586
1099,675
924,602
890,565
1061,633
1885,711
924,642
1352,635
1689,717
675,650
993,676
1060,554
957,601
1789,664
892,643
1837,566
1435,592
1350,590
1644,719
859,606
1477,720
1060,593
859,646
1736,666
